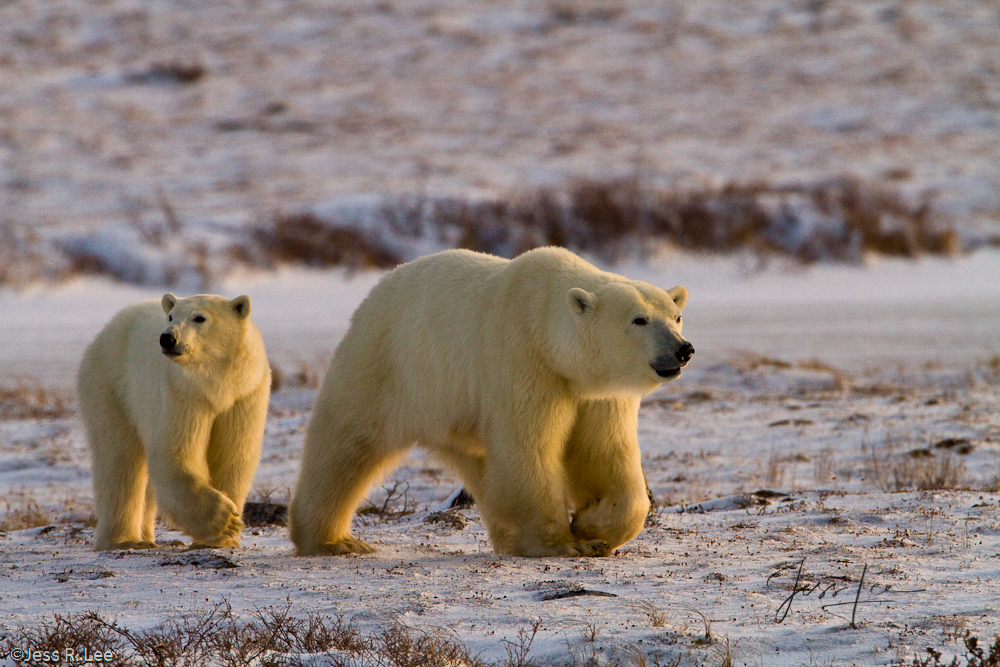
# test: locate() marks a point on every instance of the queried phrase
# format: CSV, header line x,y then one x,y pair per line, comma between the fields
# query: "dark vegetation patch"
x,y
201,558
267,637
448,519
19,515
918,469
836,220
305,239
169,73
29,400
976,655
22,259
267,513
396,504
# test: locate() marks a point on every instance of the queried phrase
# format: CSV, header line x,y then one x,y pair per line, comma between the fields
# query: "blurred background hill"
x,y
133,112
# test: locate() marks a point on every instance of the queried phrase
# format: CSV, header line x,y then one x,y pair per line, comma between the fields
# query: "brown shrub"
x,y
29,400
839,219
303,238
21,260
217,636
888,469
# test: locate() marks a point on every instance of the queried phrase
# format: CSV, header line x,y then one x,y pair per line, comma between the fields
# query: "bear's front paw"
x,y
593,548
347,545
569,549
220,523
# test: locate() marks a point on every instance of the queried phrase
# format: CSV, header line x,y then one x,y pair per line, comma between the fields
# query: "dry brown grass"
x,y
268,637
396,504
608,217
29,400
840,219
21,262
20,515
216,636
303,238
20,509
888,468
305,376
622,216
976,655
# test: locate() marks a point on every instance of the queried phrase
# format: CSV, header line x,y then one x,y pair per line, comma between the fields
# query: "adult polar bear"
x,y
523,375
178,424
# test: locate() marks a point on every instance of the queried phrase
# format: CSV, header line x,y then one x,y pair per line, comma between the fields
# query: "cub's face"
x,y
632,334
202,328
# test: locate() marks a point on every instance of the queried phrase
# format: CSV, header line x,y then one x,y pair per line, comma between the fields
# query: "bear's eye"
x,y
199,318
170,318
678,319
640,321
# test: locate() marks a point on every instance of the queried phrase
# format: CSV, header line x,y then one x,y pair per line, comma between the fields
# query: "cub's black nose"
x,y
167,341
683,355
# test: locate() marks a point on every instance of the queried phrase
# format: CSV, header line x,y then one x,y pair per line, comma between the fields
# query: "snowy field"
x,y
863,401
827,469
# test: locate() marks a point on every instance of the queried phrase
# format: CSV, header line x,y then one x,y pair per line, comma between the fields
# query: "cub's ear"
x,y
580,301
241,305
680,296
168,302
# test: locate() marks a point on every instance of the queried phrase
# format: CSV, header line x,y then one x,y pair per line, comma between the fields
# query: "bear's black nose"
x,y
167,341
684,354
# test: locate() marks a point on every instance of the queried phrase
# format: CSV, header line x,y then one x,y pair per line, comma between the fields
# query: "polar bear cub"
x,y
523,375
174,399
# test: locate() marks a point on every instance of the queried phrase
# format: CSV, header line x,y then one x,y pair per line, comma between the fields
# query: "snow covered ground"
x,y
863,400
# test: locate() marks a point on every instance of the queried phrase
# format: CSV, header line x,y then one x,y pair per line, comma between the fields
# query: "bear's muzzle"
x,y
669,366
168,345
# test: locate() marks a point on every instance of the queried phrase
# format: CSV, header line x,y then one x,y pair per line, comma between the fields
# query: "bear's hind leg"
x,y
338,468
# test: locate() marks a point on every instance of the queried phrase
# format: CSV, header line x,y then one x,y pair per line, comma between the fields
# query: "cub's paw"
x,y
347,545
227,540
131,544
228,543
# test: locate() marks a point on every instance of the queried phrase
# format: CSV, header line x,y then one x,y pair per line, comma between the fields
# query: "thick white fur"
x,y
183,433
523,375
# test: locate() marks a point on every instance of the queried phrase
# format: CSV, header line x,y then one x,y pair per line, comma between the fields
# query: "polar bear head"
x,y
630,335
203,328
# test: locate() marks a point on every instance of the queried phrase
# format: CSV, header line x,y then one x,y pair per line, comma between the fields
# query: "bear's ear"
x,y
241,305
680,296
580,301
168,302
